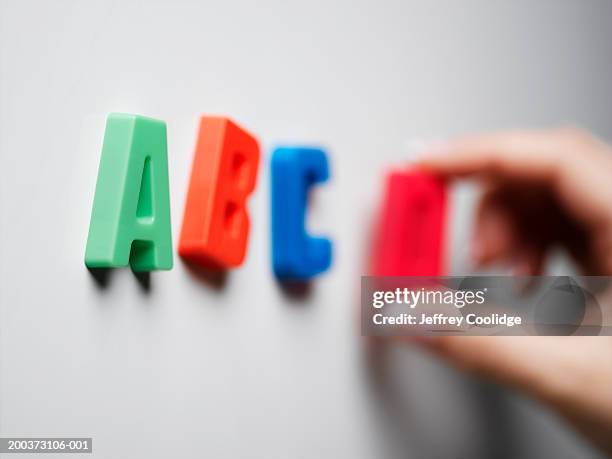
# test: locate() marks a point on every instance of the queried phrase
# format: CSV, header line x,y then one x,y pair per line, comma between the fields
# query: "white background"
x,y
187,369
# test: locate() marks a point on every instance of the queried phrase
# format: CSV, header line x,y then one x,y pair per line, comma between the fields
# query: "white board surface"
x,y
185,369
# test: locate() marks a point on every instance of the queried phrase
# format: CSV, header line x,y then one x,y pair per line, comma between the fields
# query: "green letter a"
x,y
130,219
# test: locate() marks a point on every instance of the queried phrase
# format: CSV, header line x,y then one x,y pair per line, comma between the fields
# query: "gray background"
x,y
187,369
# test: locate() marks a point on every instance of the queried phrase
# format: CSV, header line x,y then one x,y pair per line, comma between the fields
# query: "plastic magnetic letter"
x,y
130,219
216,225
410,238
295,254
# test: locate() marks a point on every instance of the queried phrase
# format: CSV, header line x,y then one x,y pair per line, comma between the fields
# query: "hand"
x,y
543,189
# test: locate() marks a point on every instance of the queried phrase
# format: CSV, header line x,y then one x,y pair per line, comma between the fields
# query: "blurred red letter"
x,y
410,235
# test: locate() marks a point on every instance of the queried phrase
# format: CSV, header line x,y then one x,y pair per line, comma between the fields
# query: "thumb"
x,y
521,362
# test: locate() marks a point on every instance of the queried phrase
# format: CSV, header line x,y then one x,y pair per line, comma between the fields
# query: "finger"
x,y
499,358
516,154
571,163
553,369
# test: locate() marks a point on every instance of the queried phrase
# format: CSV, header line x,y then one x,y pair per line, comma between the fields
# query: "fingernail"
x,y
435,149
418,149
412,149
